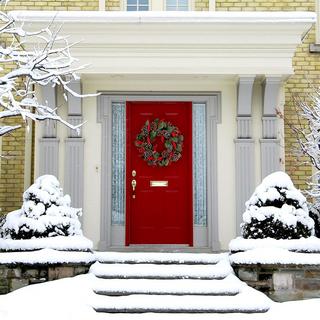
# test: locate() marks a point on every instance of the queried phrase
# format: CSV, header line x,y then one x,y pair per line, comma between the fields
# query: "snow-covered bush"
x,y
45,212
277,210
314,213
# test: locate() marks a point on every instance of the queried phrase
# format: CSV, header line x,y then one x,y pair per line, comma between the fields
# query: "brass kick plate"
x,y
158,183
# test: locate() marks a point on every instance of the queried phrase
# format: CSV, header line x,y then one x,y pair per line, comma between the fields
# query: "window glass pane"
x,y
143,8
118,163
177,5
172,3
131,8
199,163
183,3
137,5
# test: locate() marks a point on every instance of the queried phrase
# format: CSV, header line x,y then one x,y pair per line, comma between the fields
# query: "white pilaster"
x,y
74,150
270,144
244,147
49,144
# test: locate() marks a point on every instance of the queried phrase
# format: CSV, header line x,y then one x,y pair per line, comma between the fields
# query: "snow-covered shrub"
x,y
45,212
277,210
314,213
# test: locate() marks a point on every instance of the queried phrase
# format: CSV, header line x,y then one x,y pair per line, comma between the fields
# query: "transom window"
x,y
177,5
137,5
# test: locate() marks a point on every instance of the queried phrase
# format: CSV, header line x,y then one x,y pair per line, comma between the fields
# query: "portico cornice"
x,y
212,43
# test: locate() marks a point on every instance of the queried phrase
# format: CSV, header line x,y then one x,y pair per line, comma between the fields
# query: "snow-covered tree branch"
x,y
21,69
308,136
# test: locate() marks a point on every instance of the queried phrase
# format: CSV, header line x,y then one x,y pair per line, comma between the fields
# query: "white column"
x,y
270,144
244,147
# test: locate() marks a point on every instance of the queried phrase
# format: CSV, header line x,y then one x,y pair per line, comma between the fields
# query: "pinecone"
x,y
147,154
144,131
176,157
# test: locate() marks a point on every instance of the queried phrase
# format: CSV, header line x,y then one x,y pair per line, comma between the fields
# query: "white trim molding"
x,y
102,5
212,5
185,42
204,236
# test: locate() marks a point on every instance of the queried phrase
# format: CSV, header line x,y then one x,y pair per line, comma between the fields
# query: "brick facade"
x,y
202,5
113,5
13,145
306,65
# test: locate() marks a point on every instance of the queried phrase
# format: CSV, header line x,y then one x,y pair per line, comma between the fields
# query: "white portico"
x,y
233,64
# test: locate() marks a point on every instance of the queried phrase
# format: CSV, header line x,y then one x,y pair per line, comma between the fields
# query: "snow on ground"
x,y
311,244
58,243
46,256
71,299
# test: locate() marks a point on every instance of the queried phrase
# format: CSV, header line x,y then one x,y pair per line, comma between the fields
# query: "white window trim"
x,y
159,5
102,5
212,5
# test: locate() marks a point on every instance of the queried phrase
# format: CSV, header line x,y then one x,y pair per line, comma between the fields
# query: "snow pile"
x,y
314,213
45,212
46,256
274,256
311,244
277,210
74,243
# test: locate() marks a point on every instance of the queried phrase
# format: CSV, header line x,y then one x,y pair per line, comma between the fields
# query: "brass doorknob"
x,y
133,184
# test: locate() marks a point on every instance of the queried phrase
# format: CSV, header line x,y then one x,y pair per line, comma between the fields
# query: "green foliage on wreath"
x,y
166,134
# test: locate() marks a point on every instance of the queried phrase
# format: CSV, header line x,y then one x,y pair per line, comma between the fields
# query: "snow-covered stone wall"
x,y
282,282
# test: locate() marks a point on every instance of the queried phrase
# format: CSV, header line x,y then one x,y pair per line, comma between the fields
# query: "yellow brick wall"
x,y
306,65
70,5
12,164
307,74
265,5
113,5
202,5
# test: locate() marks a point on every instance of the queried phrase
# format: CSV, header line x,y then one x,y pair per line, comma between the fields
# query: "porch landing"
x,y
188,283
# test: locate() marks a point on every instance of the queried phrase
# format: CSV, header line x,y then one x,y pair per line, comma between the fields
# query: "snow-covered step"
x,y
248,301
159,257
157,271
231,285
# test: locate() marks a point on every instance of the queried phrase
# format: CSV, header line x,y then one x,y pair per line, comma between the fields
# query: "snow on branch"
x,y
308,136
49,63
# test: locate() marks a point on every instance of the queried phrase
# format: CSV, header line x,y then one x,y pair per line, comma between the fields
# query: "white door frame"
x,y
113,236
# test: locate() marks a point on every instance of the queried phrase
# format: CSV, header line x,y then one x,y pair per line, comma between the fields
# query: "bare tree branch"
x,y
50,63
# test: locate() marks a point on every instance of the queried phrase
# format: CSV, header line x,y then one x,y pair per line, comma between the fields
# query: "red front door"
x,y
159,214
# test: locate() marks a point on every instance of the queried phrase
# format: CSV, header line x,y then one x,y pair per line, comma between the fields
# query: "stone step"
x,y
244,302
159,257
229,286
156,271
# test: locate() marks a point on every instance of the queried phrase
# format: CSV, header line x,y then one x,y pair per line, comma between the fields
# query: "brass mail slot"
x,y
158,183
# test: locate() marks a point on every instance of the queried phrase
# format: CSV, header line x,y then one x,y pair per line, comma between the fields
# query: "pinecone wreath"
x,y
157,134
